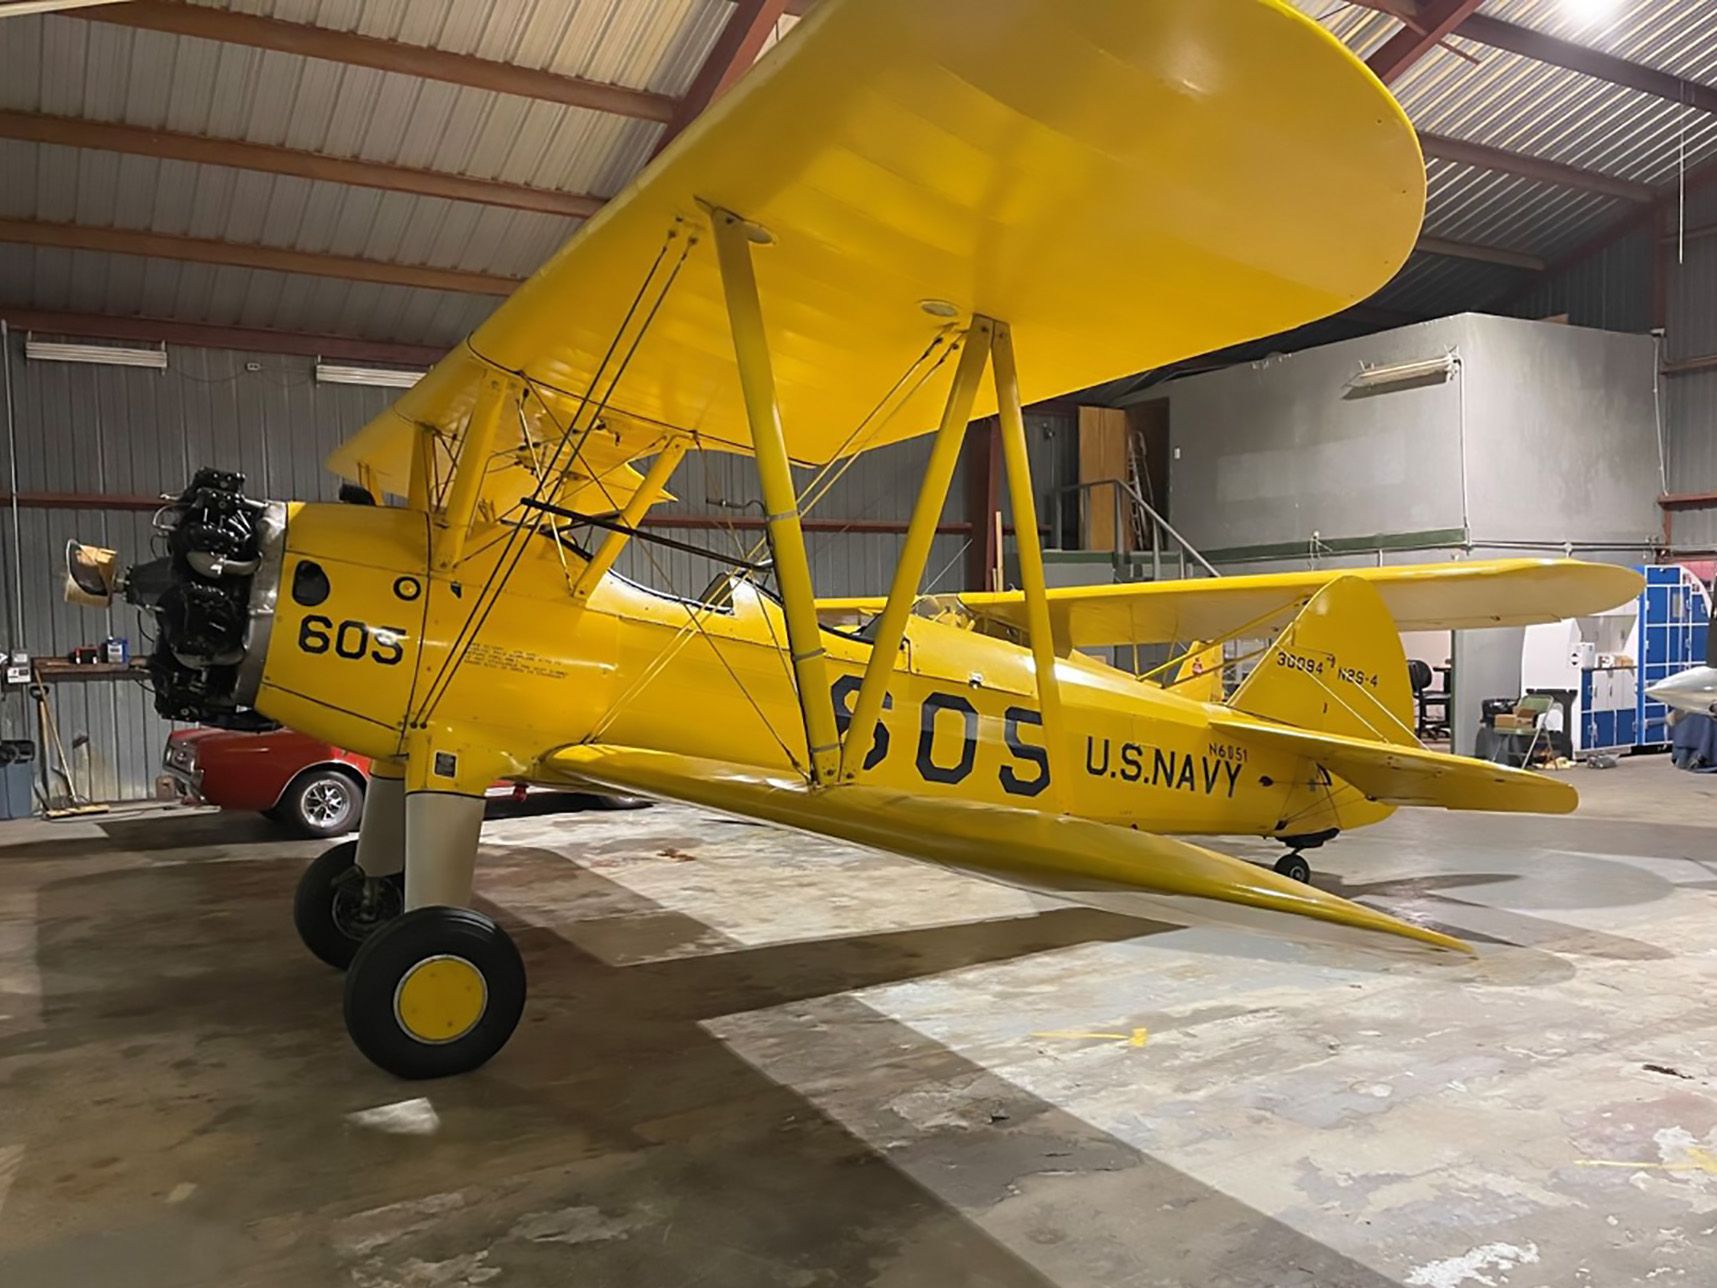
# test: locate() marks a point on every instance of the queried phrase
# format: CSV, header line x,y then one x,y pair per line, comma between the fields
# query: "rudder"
x,y
1337,668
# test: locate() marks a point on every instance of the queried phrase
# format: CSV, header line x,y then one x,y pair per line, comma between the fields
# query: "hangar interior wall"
x,y
1544,438
89,431
1616,289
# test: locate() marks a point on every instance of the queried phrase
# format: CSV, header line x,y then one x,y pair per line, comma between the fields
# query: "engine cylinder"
x,y
212,598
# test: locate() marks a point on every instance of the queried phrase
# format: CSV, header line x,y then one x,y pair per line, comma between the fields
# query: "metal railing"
x,y
1133,515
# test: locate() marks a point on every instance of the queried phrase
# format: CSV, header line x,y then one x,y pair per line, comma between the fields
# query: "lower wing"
x,y
1073,858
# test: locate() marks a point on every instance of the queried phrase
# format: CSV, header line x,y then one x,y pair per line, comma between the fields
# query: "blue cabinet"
x,y
1674,616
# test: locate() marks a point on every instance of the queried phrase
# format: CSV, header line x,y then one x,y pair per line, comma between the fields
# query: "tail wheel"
x,y
1294,867
436,992
337,907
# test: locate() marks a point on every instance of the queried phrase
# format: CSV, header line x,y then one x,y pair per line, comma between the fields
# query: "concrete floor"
x,y
750,1059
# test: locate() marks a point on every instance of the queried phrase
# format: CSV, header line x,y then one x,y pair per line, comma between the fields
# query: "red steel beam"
x,y
207,250
97,326
1690,366
81,501
980,460
756,523
695,522
742,38
1543,48
1688,500
1484,254
1699,178
269,159
307,41
1433,21
1588,61
1485,157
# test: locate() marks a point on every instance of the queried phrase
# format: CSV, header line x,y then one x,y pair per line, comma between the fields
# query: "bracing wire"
x,y
827,476
518,540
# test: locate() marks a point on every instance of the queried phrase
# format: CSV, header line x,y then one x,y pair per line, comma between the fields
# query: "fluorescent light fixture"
x,y
17,8
1402,373
110,355
387,377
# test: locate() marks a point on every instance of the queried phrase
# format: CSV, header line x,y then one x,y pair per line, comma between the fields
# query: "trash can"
x,y
17,778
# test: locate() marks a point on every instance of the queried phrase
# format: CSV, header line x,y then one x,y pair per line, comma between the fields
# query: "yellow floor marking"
x,y
1698,1160
1135,1038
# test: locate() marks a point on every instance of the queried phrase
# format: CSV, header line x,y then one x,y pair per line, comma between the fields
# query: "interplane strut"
x,y
987,342
733,241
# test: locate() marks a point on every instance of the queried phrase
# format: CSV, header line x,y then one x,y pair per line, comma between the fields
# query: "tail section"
x,y
1338,668
1337,679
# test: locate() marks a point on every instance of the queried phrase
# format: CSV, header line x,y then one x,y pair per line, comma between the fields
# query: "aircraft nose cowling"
x,y
1693,691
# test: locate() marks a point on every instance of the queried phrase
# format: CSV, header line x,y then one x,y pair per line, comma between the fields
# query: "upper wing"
x,y
1075,858
1402,775
1420,597
1124,183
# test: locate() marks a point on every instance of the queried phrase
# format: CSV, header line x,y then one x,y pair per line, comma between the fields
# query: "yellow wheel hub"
x,y
440,999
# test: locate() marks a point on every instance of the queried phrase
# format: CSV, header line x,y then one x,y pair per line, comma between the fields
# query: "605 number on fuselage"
x,y
351,639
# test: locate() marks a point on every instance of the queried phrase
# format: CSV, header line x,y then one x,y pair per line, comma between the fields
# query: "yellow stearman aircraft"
x,y
915,192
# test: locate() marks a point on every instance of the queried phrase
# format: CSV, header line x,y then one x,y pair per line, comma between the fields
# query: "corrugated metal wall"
x,y
88,429
1611,290
1614,289
1690,401
81,428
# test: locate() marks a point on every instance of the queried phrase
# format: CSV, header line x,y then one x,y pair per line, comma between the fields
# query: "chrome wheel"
x,y
323,802
327,802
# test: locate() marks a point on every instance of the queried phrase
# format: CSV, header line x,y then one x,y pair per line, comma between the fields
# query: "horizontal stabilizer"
x,y
1076,859
1402,775
1420,597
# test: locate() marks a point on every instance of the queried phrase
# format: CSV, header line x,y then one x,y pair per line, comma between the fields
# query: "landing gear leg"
x,y
351,890
439,990
1294,866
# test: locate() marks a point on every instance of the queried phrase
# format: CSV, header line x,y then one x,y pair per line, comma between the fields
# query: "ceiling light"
x,y
110,355
1589,11
387,377
1401,373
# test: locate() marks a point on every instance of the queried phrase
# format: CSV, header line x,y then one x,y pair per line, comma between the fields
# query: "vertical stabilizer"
x,y
1337,668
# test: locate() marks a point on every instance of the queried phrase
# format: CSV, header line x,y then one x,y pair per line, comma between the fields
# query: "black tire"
x,y
450,939
1294,868
322,803
337,908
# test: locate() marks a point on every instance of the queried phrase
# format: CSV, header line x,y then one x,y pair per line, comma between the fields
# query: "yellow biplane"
x,y
906,216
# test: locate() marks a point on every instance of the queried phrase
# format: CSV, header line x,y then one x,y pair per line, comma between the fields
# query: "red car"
x,y
315,789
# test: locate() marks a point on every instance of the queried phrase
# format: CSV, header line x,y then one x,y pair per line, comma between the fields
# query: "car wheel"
x,y
321,803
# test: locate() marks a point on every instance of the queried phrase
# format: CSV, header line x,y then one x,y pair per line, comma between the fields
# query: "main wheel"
x,y
1294,867
321,803
337,907
435,993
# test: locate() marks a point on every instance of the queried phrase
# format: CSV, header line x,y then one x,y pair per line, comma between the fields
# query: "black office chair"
x,y
1420,676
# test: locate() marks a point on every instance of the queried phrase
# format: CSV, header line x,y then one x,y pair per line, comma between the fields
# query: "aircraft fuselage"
x,y
359,646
